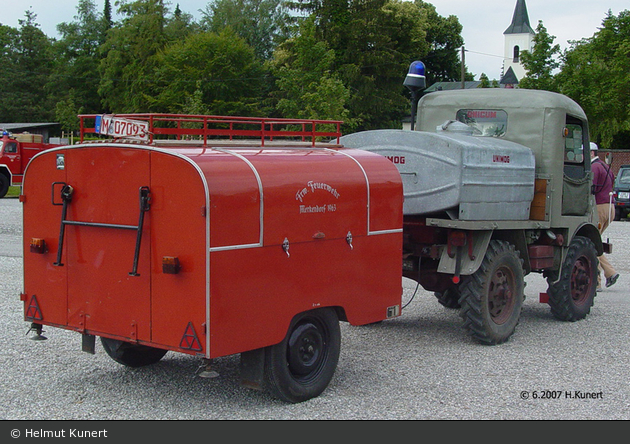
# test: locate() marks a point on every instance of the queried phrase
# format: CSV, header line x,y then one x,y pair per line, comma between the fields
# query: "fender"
x,y
469,264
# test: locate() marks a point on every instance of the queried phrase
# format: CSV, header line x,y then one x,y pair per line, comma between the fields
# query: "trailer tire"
x,y
4,185
572,296
303,364
131,355
492,297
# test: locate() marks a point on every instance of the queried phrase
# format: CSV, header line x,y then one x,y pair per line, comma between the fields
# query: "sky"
x,y
483,22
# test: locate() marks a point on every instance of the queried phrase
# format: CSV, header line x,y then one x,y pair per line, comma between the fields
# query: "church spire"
x,y
520,20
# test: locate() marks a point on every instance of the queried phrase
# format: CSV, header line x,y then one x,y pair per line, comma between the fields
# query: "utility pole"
x,y
463,68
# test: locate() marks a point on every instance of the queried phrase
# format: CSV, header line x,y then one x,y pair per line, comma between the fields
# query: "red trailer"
x,y
215,247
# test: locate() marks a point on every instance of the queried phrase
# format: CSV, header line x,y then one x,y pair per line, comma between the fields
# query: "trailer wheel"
x,y
131,355
303,364
4,185
449,298
572,296
492,298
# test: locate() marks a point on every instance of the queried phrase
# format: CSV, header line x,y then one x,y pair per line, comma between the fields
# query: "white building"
x,y
519,36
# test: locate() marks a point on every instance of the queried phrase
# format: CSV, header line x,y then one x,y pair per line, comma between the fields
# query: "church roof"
x,y
509,78
520,20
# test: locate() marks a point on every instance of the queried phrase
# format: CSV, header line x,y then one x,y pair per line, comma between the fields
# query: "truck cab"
x,y
551,125
15,153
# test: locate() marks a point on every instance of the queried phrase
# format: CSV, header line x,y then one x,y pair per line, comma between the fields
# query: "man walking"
x,y
603,180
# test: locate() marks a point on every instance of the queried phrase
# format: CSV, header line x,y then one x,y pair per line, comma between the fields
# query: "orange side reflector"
x,y
170,265
38,246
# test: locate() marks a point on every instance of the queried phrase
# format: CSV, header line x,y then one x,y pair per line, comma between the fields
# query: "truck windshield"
x,y
484,122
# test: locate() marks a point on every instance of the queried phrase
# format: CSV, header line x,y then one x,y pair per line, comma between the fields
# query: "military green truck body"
x,y
497,185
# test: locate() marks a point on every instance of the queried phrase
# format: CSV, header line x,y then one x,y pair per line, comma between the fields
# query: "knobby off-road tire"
x,y
303,364
492,297
572,296
131,355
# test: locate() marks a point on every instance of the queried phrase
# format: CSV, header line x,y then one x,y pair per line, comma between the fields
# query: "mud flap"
x,y
252,368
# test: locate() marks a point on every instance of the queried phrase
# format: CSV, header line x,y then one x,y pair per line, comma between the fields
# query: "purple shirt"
x,y
602,181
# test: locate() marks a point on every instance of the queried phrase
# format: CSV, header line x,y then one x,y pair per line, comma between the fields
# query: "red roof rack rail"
x,y
179,127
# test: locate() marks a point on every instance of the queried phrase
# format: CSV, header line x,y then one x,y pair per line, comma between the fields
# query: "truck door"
x,y
106,241
11,157
577,176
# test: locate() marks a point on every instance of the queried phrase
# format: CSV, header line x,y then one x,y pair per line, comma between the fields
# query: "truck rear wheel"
x,y
131,355
303,364
572,296
4,185
492,298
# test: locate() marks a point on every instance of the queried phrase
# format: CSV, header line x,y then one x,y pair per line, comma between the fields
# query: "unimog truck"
x,y
497,185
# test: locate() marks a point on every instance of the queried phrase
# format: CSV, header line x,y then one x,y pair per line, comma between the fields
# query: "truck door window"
x,y
10,148
573,144
484,122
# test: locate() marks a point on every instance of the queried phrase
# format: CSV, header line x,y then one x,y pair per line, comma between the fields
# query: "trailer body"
x,y
209,250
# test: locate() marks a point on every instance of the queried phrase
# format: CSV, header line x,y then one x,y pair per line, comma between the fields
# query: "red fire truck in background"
x,y
15,153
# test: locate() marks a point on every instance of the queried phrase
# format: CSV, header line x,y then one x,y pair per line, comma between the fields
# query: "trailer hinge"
x,y
285,246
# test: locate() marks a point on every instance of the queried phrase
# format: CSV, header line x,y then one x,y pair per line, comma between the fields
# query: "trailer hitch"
x,y
66,198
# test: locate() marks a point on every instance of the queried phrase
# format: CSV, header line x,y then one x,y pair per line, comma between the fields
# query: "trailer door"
x,y
106,244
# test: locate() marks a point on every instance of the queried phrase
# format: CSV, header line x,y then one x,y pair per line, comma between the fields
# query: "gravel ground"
x,y
418,366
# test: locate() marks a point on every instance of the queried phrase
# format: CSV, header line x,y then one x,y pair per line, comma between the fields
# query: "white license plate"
x,y
119,127
623,195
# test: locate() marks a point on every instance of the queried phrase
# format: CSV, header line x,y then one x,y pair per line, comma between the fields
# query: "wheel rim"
x,y
306,350
501,295
581,281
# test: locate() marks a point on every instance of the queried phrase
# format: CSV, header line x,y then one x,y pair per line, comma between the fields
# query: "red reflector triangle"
x,y
190,341
33,313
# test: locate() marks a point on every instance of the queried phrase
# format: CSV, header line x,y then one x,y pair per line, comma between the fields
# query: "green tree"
x,y
262,23
306,86
374,41
443,34
27,52
595,73
541,62
130,56
8,71
216,73
75,77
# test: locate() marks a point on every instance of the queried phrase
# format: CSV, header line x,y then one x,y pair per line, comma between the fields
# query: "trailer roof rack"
x,y
186,128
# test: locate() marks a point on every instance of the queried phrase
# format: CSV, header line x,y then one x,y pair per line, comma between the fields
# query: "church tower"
x,y
518,37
